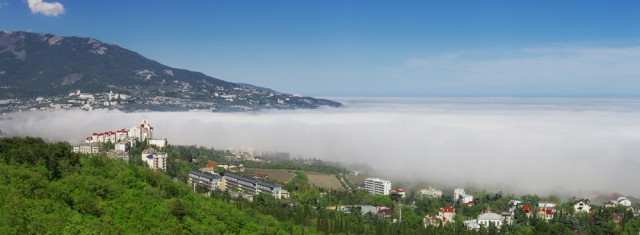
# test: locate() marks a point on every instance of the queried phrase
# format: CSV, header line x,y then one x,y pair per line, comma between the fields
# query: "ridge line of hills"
x,y
45,71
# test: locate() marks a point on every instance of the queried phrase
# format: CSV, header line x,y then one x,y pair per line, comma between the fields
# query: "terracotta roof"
x,y
447,209
212,164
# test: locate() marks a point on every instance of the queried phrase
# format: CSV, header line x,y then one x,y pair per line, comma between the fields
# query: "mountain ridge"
x,y
46,65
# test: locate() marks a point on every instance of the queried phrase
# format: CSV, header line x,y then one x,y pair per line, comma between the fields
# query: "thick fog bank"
x,y
569,146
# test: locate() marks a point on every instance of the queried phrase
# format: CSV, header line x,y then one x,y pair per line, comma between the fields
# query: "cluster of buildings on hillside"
x,y
541,210
73,101
123,140
233,181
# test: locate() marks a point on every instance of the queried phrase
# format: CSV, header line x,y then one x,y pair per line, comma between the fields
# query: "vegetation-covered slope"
x,y
44,188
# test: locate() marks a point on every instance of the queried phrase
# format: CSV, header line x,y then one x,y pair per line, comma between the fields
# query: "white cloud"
x,y
45,8
3,4
570,146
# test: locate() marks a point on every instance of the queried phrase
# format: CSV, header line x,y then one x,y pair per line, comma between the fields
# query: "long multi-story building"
x,y
253,186
207,180
377,186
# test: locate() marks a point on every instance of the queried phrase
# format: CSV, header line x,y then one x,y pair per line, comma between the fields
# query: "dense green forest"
x,y
47,189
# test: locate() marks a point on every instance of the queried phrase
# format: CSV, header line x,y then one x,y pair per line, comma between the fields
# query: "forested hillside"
x,y
45,188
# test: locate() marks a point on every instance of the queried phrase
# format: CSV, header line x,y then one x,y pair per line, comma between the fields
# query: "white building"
x,y
430,192
160,143
460,195
471,224
154,159
122,146
377,186
143,131
490,218
87,148
581,206
624,201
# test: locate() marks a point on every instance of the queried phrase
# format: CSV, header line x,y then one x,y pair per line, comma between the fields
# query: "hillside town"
x,y
514,210
477,211
239,98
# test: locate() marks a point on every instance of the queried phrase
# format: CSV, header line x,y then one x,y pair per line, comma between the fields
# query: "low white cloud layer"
x,y
543,146
45,8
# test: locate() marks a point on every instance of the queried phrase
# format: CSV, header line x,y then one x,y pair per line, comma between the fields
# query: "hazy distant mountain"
x,y
45,65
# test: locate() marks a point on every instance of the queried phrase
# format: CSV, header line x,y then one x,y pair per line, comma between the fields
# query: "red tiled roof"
x,y
399,190
447,209
212,164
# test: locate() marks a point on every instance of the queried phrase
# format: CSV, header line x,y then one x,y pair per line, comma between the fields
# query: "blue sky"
x,y
370,48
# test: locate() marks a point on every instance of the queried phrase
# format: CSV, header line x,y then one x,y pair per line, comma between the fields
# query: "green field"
x,y
322,180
